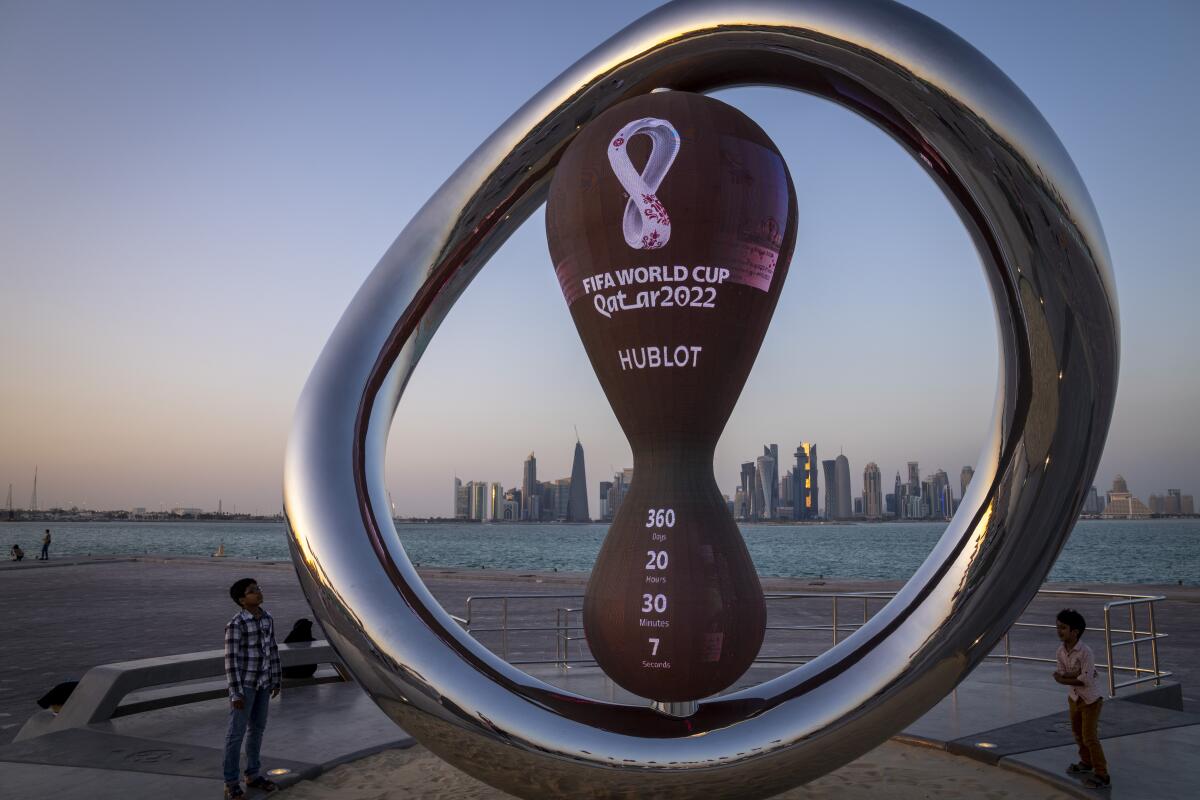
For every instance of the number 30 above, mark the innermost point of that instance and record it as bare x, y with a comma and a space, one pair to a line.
654, 602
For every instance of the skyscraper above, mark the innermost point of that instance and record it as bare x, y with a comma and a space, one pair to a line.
748, 471
529, 489
605, 509
830, 468
495, 502
943, 496
763, 505
844, 501
914, 477
899, 498
766, 484
478, 491
872, 491
562, 499
616, 495
462, 500
772, 450
805, 495
512, 505
577, 503
964, 478
786, 493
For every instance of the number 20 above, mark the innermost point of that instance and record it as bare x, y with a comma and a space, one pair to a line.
656, 559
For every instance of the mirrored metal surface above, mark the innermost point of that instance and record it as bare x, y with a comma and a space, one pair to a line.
1047, 265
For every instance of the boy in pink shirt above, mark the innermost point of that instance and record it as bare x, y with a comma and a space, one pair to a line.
1077, 670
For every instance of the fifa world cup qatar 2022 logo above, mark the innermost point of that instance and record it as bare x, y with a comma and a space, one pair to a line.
645, 222
672, 310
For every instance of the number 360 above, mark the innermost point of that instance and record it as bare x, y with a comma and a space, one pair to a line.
661, 518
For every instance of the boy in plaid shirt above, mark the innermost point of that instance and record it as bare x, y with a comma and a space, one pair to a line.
253, 674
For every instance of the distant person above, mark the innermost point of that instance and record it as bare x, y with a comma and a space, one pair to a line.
51, 703
16, 553
301, 632
45, 556
252, 671
56, 698
1077, 670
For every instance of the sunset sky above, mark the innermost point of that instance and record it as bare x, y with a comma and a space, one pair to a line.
190, 194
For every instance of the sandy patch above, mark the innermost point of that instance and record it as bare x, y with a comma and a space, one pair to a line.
893, 771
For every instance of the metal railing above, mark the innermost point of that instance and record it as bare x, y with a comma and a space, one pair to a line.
1130, 602
567, 628
504, 628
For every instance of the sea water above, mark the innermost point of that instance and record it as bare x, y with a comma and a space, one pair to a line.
1099, 551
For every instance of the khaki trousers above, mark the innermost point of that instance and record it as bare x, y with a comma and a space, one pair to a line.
1085, 724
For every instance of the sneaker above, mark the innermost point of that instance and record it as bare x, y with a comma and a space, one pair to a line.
1079, 768
1097, 781
261, 783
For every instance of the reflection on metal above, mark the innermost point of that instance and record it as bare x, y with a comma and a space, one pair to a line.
1047, 264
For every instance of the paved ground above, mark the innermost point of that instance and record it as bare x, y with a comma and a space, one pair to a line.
62, 618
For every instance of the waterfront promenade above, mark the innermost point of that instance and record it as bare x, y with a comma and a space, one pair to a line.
66, 616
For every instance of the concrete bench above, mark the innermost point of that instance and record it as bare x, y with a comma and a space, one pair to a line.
98, 696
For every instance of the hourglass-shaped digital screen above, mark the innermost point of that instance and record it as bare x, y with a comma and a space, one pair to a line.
671, 221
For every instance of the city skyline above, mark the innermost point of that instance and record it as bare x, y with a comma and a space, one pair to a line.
1168, 502
183, 224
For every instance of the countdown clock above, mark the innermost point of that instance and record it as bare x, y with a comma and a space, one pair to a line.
671, 221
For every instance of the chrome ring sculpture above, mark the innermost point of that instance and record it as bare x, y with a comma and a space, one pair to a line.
1047, 263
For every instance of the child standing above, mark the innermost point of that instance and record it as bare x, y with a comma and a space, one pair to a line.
1077, 670
253, 674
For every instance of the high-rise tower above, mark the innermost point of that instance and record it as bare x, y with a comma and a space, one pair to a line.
529, 488
748, 471
830, 468
805, 496
964, 478
943, 497
772, 450
577, 502
844, 502
914, 477
872, 491
766, 481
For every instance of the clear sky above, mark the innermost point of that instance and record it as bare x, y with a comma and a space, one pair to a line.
190, 194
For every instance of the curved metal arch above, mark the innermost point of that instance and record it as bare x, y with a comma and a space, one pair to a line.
1047, 264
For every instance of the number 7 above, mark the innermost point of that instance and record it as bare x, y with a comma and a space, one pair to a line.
654, 646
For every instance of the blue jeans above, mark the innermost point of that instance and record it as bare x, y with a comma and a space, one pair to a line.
254, 713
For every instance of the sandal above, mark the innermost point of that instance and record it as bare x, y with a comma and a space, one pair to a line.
1080, 768
259, 782
1097, 781
234, 791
